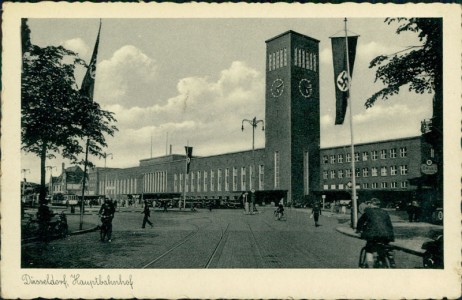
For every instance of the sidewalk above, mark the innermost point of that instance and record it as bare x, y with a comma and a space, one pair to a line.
409, 237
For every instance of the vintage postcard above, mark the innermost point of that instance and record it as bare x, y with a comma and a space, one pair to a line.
230, 151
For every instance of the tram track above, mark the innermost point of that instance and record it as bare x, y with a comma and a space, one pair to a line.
181, 242
214, 257
257, 247
222, 241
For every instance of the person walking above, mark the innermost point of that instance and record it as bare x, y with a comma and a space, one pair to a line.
106, 213
147, 214
316, 212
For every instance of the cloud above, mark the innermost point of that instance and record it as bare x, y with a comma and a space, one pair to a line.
206, 112
77, 45
396, 118
123, 76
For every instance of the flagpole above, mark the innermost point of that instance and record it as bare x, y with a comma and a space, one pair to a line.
185, 175
95, 51
353, 169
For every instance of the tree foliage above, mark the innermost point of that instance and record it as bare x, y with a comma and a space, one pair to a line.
55, 117
419, 67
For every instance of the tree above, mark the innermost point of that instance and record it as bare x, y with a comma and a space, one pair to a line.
55, 117
420, 68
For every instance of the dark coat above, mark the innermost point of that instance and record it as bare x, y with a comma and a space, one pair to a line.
375, 224
146, 211
107, 209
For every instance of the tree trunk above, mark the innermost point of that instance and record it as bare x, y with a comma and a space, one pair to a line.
437, 122
42, 193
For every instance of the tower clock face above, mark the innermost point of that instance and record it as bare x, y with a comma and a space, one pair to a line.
306, 88
277, 87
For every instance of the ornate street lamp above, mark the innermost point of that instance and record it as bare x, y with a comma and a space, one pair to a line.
105, 155
254, 123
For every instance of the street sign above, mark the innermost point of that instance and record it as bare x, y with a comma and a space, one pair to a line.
428, 169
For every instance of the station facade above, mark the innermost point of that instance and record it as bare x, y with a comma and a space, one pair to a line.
290, 166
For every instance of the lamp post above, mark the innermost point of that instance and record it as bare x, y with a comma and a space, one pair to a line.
51, 181
105, 155
23, 191
254, 123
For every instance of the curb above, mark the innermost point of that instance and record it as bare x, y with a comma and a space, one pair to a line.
55, 237
84, 231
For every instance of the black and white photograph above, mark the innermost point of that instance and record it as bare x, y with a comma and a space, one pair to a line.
231, 150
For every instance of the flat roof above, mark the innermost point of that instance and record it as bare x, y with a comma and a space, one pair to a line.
374, 142
292, 32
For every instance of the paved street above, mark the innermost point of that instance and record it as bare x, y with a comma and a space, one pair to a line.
222, 238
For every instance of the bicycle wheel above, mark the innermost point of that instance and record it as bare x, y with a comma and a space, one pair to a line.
382, 262
362, 258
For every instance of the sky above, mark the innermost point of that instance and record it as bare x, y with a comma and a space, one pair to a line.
192, 81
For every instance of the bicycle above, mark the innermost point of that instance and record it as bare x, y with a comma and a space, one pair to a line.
105, 228
383, 258
278, 214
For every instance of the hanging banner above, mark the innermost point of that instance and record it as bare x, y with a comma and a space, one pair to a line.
341, 79
188, 157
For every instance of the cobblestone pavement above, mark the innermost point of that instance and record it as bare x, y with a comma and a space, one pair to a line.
218, 239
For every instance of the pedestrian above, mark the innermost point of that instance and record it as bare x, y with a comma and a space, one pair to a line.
106, 213
316, 212
413, 211
147, 214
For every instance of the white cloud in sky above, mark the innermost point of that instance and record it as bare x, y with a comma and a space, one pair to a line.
207, 113
122, 77
396, 118
77, 45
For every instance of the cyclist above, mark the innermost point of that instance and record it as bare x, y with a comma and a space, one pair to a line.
376, 228
279, 211
106, 213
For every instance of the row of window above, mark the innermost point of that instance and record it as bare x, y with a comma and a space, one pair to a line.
367, 185
277, 59
374, 155
118, 187
199, 181
305, 59
374, 171
302, 58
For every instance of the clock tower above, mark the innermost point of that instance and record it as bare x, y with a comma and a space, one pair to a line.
292, 115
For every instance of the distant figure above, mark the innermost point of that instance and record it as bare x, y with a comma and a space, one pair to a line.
147, 214
316, 212
413, 211
164, 204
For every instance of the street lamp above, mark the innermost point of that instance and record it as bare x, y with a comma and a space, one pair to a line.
105, 155
254, 123
23, 191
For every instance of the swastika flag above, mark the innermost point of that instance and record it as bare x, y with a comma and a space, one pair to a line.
88, 83
341, 80
188, 157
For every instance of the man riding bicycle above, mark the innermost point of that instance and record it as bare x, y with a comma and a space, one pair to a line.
106, 213
376, 228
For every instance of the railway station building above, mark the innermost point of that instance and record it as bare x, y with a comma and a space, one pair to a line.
291, 165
